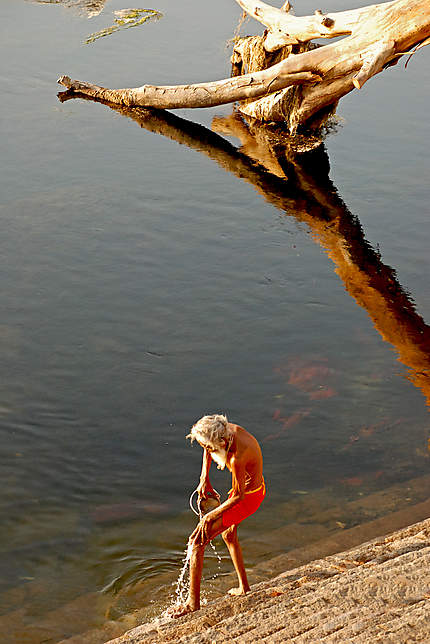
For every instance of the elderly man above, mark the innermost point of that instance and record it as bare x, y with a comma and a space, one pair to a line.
230, 446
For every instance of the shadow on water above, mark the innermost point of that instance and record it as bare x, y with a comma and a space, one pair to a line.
297, 182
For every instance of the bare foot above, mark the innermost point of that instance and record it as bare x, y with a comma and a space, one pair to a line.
180, 609
238, 591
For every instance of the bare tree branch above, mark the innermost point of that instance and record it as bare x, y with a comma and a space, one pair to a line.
286, 29
378, 36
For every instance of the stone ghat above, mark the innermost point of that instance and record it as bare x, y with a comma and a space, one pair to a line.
376, 592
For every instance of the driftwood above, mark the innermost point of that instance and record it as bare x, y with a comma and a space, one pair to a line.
283, 76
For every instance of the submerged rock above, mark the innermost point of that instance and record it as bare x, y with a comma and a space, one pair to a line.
127, 510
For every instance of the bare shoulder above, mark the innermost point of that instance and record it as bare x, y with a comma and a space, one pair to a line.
244, 438
247, 455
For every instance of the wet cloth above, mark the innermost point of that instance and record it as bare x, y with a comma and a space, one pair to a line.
246, 506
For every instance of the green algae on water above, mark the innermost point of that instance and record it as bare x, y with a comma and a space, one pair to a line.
125, 19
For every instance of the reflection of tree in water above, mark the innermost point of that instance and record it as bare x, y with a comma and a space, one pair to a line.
299, 184
89, 8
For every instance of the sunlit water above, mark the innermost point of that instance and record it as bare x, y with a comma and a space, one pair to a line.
145, 283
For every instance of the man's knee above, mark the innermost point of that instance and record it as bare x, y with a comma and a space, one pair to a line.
197, 547
230, 535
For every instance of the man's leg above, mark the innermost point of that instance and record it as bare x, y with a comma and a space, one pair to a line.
233, 545
196, 569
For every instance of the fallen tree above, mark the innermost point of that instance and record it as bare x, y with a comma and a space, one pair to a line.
283, 76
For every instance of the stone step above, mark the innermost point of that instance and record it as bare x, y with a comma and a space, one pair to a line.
325, 516
334, 540
327, 538
376, 592
96, 618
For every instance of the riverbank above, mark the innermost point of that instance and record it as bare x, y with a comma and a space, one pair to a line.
332, 529
316, 526
376, 592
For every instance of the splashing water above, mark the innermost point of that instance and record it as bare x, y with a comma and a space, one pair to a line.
182, 585
218, 556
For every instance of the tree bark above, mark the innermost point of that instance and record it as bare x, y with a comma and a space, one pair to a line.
378, 36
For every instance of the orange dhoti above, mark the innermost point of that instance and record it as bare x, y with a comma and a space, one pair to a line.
245, 507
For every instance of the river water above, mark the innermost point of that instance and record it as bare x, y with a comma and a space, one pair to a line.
152, 273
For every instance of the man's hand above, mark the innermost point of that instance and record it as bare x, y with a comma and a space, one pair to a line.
201, 534
205, 489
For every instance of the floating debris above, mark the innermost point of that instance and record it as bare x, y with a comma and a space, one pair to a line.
89, 8
322, 393
125, 19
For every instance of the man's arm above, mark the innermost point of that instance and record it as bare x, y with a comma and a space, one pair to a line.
202, 530
205, 488
238, 487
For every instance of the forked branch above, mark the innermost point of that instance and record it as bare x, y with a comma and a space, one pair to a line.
286, 29
376, 36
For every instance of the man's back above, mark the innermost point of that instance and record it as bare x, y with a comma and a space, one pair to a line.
248, 452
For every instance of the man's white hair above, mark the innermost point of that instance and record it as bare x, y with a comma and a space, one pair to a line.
210, 430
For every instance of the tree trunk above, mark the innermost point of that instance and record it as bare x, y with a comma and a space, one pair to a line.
303, 87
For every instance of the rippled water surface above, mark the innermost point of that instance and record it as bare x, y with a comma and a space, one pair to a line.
152, 272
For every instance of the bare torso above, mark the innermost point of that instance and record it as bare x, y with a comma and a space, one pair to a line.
245, 462
246, 451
